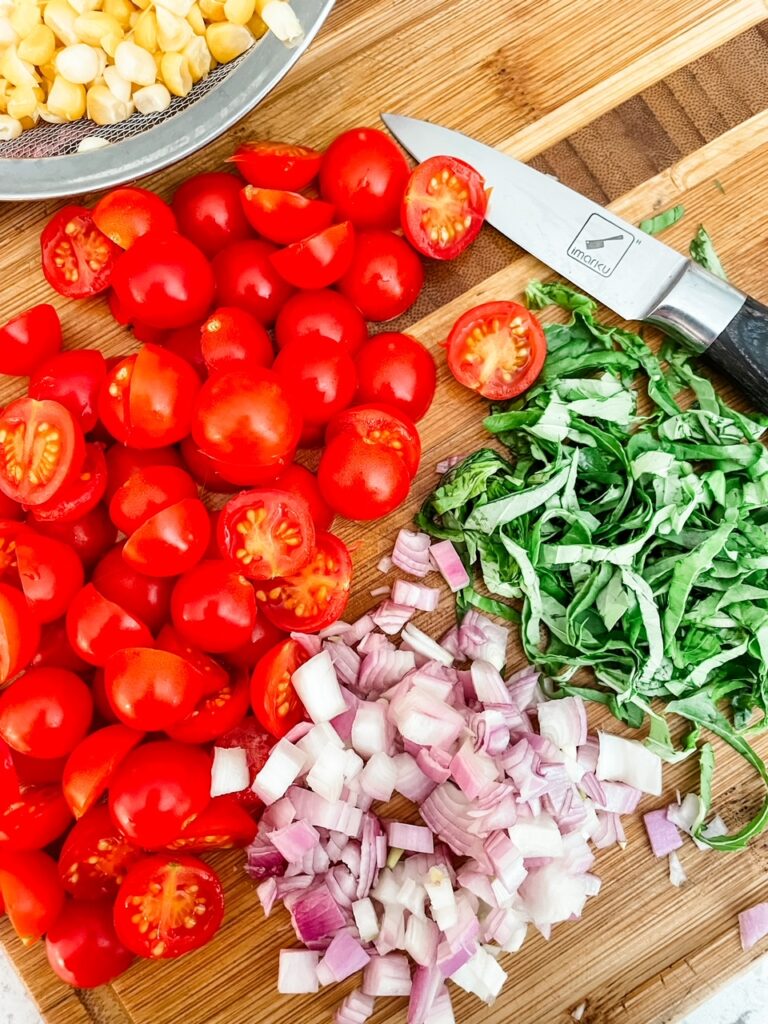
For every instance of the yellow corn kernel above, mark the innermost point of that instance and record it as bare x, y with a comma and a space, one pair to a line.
48, 71
60, 18
196, 20
143, 4
120, 10
10, 128
199, 56
173, 32
21, 103
93, 25
8, 34
91, 142
174, 68
227, 41
24, 17
281, 18
180, 8
82, 6
79, 63
39, 46
152, 99
17, 71
103, 107
258, 26
116, 84
66, 99
30, 122
145, 32
213, 10
239, 12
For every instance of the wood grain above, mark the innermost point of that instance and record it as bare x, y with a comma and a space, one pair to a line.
641, 105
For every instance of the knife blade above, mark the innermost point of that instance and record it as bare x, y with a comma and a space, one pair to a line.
630, 272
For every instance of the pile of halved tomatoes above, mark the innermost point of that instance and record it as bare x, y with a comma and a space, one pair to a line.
137, 627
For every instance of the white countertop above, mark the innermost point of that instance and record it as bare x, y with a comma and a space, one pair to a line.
743, 1001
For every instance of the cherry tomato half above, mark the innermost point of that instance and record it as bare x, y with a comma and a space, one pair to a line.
217, 713
383, 426
497, 349
443, 207
266, 533
95, 856
34, 819
273, 698
209, 211
223, 825
150, 690
79, 494
146, 491
29, 339
32, 892
185, 342
362, 481
78, 260
73, 379
213, 606
320, 314
127, 213
90, 536
148, 598
298, 480
385, 277
233, 339
246, 277
284, 217
97, 627
316, 595
92, 763
263, 636
45, 713
319, 260
323, 378
83, 948
122, 461
277, 164
50, 572
19, 632
205, 470
54, 650
398, 370
171, 541
40, 447
364, 175
213, 676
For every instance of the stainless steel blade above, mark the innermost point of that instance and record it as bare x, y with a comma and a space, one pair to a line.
621, 266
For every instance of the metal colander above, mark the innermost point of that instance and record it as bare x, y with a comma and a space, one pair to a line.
44, 163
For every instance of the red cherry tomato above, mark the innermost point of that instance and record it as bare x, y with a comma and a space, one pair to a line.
97, 627
164, 281
321, 314
35, 771
83, 948
209, 211
213, 606
322, 378
497, 349
29, 339
171, 541
146, 491
277, 164
213, 675
150, 690
218, 712
385, 278
223, 825
298, 480
122, 461
248, 419
128, 213
10, 509
443, 207
36, 818
74, 380
50, 573
380, 425
149, 335
364, 175
157, 789
78, 495
316, 595
19, 632
31, 891
246, 277
273, 699
148, 598
90, 536
233, 339
54, 650
284, 217
362, 481
41, 446
205, 470
95, 856
263, 636
266, 533
100, 700
78, 260
319, 260
92, 763
185, 342
398, 370
45, 713
250, 736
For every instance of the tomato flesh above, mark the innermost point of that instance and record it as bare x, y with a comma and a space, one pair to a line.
266, 533
273, 698
126, 214
79, 494
381, 425
171, 541
443, 207
78, 260
284, 217
40, 447
277, 164
319, 260
217, 712
95, 856
91, 765
19, 632
97, 627
36, 818
223, 825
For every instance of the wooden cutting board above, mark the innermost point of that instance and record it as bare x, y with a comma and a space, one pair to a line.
639, 105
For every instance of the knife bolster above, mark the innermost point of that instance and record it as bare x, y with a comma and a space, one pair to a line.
697, 307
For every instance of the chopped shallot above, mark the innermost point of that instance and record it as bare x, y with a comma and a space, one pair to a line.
753, 925
446, 560
411, 553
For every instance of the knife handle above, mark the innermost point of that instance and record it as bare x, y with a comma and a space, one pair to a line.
741, 351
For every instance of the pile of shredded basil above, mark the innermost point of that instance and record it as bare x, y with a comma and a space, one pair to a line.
634, 549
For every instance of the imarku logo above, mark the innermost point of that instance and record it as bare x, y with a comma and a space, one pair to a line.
601, 245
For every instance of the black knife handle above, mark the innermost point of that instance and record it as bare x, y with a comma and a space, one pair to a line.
741, 351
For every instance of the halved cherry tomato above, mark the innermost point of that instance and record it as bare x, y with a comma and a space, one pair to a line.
497, 349
35, 771
46, 712
157, 789
50, 573
217, 712
54, 650
233, 339
364, 174
246, 277
78, 260
29, 339
398, 370
146, 491
213, 675
171, 541
90, 535
213, 606
79, 494
209, 211
100, 700
19, 632
32, 892
379, 424
122, 461
385, 277
319, 260
266, 533
277, 164
91, 765
251, 737
95, 856
164, 281
284, 217
223, 825
73, 379
40, 447
10, 509
316, 595
273, 698
443, 207
168, 905
362, 481
263, 636
147, 399
97, 627
314, 314
185, 342
83, 948
146, 597
323, 379
205, 470
298, 480
10, 788
149, 689
127, 213
37, 817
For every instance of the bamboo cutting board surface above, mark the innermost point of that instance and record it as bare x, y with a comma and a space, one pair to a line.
638, 105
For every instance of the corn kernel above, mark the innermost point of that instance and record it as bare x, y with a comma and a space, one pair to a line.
93, 25
60, 18
66, 99
152, 99
257, 26
173, 32
239, 12
79, 64
135, 64
24, 17
110, 42
47, 116
104, 107
120, 10
213, 10
10, 128
281, 18
91, 142
180, 8
17, 71
174, 67
199, 56
39, 46
81, 6
21, 103
227, 41
116, 84
8, 34
145, 32
48, 71
196, 20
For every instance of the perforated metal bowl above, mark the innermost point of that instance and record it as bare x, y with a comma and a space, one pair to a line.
43, 162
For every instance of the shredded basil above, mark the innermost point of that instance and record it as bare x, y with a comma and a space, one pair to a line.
703, 251
662, 221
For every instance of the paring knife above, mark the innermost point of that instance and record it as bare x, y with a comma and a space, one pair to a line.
627, 270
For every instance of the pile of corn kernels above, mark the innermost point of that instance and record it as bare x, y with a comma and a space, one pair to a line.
61, 60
